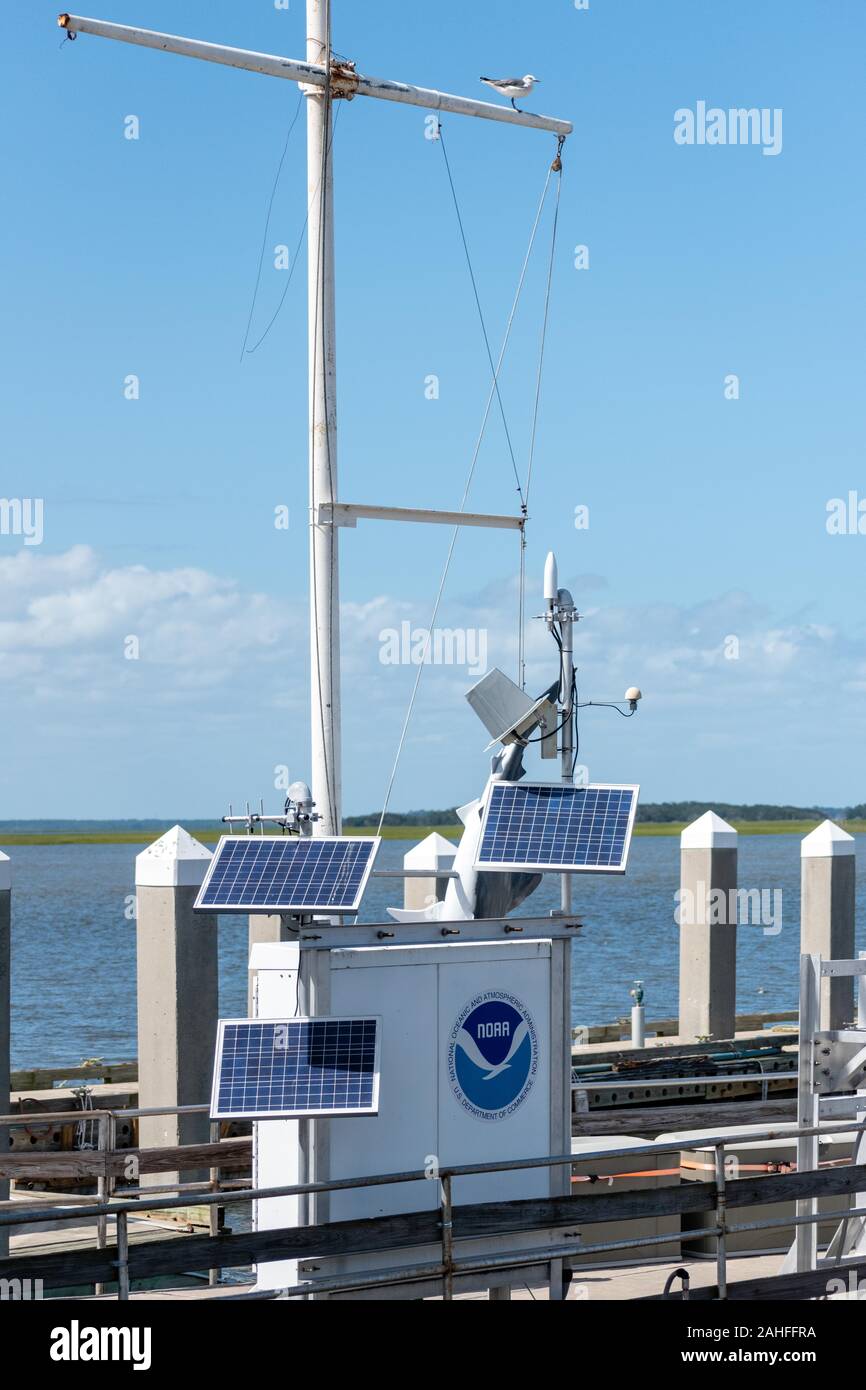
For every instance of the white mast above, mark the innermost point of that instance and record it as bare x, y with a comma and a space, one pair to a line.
322, 80
324, 570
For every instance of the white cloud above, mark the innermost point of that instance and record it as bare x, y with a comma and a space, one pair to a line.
67, 618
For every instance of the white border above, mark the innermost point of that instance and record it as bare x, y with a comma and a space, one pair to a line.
534, 865
200, 906
372, 1109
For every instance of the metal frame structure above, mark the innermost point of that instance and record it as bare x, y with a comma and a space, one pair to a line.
832, 1061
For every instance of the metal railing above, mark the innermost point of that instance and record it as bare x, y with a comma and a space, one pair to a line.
450, 1265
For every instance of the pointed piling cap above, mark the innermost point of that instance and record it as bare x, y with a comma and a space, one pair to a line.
709, 831
174, 860
826, 841
5, 872
430, 853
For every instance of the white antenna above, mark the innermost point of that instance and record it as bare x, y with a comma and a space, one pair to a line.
551, 580
323, 81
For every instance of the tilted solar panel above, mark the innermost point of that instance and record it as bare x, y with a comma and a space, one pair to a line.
269, 873
550, 826
297, 1067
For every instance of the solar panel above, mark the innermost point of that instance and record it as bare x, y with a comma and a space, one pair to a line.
549, 826
296, 1067
325, 873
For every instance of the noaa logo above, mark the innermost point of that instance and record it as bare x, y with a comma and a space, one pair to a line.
492, 1055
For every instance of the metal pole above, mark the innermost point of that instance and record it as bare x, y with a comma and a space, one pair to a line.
566, 737
122, 1255
324, 579
808, 1109
721, 1218
213, 1275
102, 1191
447, 1237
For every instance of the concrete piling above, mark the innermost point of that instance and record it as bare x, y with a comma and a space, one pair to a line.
436, 854
178, 992
708, 929
827, 894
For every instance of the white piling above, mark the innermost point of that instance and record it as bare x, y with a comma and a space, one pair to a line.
827, 894
178, 983
708, 929
436, 854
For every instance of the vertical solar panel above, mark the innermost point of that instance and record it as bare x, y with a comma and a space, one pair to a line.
298, 1067
550, 826
270, 873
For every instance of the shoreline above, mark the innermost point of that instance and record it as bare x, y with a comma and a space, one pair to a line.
389, 832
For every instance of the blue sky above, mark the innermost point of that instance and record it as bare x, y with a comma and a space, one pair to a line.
707, 515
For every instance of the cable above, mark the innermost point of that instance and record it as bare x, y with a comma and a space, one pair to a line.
267, 225
295, 258
539, 373
494, 370
607, 704
494, 391
556, 167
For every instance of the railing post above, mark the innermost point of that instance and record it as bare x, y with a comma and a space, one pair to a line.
721, 1222
122, 1255
213, 1211
447, 1237
102, 1145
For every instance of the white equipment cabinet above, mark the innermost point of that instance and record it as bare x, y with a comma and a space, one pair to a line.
475, 1068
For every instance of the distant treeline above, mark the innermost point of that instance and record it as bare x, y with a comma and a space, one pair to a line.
404, 818
657, 813
650, 812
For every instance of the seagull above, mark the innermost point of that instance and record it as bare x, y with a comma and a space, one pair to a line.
474, 1053
512, 86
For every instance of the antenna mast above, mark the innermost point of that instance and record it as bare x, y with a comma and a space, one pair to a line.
324, 568
322, 80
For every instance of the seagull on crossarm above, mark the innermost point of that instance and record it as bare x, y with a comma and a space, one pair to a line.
512, 86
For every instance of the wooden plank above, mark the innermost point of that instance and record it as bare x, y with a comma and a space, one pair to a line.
422, 1228
45, 1078
653, 1120
774, 1288
230, 1155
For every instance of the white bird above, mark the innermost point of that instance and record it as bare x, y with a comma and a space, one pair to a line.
512, 86
474, 1053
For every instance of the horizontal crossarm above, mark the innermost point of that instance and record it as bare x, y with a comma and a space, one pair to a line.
344, 81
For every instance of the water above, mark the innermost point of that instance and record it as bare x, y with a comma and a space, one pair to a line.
73, 963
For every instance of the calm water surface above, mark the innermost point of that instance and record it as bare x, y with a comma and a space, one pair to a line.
73, 982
